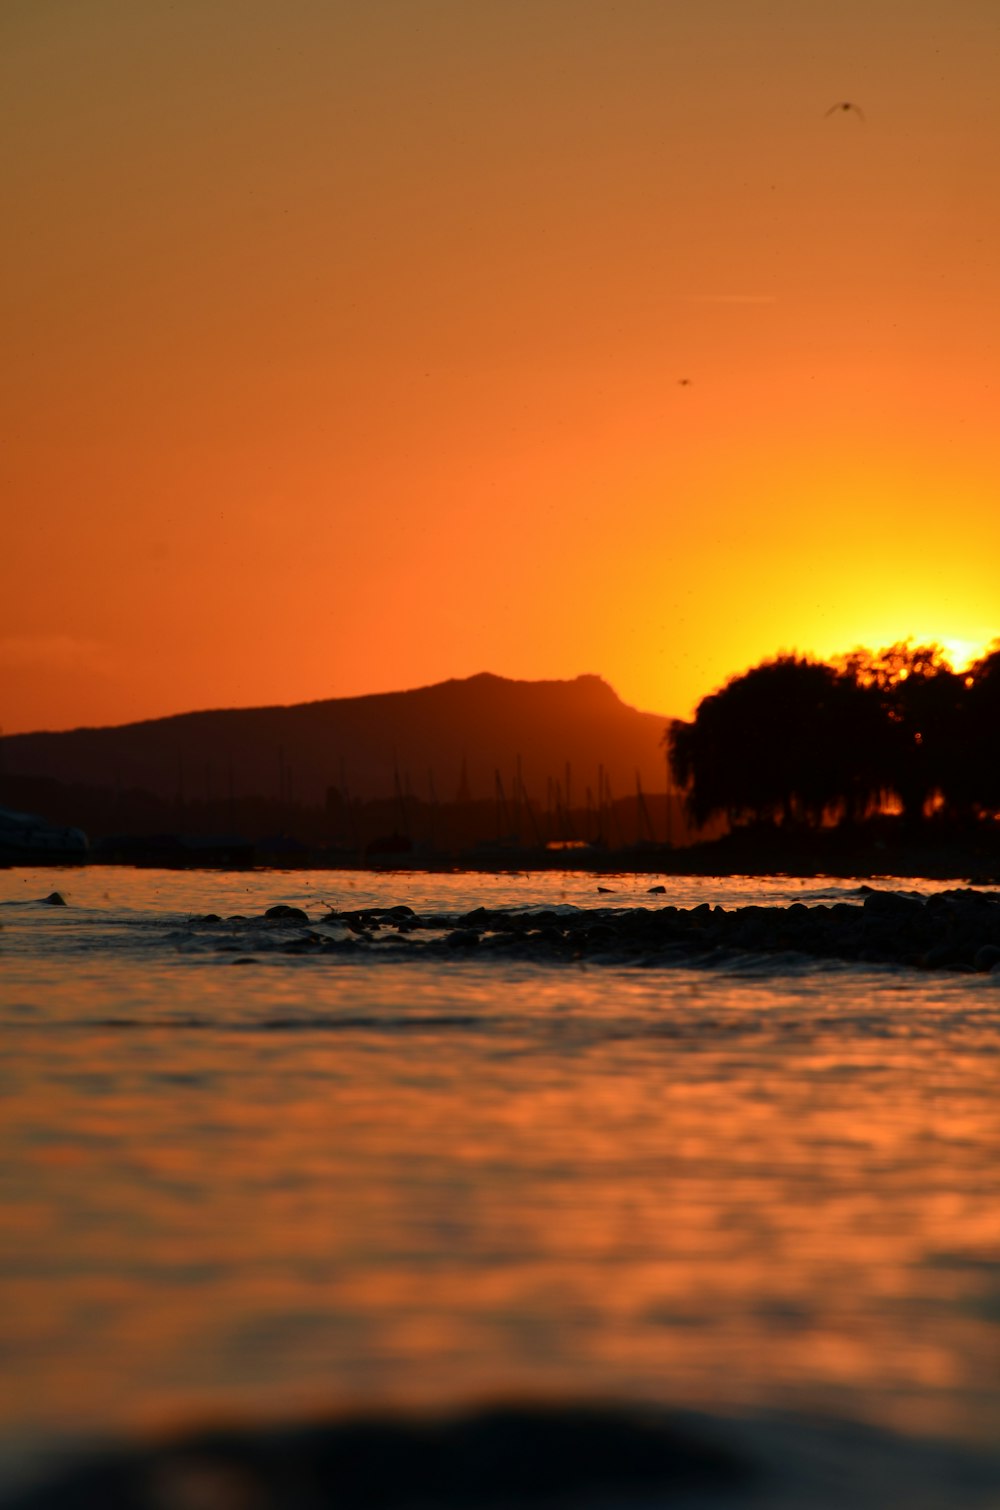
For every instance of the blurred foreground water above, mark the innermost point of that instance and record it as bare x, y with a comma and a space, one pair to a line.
251, 1186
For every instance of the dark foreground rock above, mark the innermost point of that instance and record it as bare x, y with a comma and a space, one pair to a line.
508, 1456
552, 1457
951, 930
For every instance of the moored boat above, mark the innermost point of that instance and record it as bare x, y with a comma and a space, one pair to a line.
26, 839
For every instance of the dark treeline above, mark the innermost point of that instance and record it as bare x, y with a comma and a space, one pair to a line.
801, 741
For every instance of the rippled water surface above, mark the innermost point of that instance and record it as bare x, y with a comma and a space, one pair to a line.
257, 1184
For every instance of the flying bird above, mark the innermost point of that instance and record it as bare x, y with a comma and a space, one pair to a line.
846, 105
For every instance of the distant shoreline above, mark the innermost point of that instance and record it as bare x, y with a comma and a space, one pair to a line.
971, 858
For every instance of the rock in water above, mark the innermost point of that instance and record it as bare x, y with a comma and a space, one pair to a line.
283, 914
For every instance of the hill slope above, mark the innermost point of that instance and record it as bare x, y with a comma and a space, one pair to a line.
475, 727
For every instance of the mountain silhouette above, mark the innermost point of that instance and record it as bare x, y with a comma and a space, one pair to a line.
446, 740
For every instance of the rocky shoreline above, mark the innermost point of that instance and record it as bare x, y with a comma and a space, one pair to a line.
956, 930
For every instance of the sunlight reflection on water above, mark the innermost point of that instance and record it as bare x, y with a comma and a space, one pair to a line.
316, 1184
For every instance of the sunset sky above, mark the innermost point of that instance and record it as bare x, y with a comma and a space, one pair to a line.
344, 343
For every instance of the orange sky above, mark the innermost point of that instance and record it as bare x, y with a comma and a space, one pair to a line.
343, 343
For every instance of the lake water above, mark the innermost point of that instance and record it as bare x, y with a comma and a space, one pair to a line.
247, 1184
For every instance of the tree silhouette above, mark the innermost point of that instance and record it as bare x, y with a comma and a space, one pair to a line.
777, 742
919, 748
982, 733
800, 740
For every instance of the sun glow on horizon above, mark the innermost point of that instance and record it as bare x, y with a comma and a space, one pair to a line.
964, 641
366, 380
961, 652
